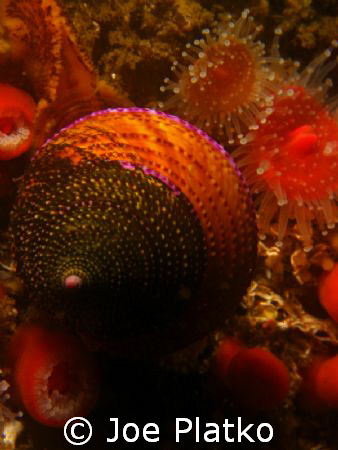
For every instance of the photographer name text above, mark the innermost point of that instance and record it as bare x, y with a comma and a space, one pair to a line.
207, 432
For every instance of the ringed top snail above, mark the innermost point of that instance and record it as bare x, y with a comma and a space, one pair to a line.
136, 228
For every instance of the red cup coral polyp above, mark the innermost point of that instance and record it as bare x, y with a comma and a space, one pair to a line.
319, 390
55, 376
291, 161
17, 111
258, 379
228, 348
326, 382
226, 82
328, 292
254, 377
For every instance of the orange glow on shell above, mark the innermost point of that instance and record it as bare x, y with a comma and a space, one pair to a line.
155, 140
17, 111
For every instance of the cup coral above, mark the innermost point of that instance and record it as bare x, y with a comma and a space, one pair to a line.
55, 376
226, 81
291, 160
17, 110
255, 377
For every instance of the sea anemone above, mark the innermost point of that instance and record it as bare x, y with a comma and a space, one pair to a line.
291, 160
319, 390
226, 82
54, 374
17, 110
227, 349
254, 377
258, 379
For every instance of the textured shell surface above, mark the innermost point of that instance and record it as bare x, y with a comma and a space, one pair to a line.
151, 218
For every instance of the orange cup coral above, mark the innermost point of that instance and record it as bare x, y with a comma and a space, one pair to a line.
17, 110
258, 379
227, 81
291, 160
319, 390
255, 377
54, 374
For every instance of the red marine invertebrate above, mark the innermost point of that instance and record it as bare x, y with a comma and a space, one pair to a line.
328, 292
148, 217
227, 83
258, 379
17, 110
54, 374
320, 384
228, 348
255, 377
291, 160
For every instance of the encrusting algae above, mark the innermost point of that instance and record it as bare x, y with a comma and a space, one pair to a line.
100, 204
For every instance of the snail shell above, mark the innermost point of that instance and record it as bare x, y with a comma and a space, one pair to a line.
136, 228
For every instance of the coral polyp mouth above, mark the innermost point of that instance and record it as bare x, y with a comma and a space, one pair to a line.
302, 142
17, 112
62, 390
15, 134
60, 378
7, 124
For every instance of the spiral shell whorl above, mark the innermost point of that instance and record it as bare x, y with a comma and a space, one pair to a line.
146, 210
